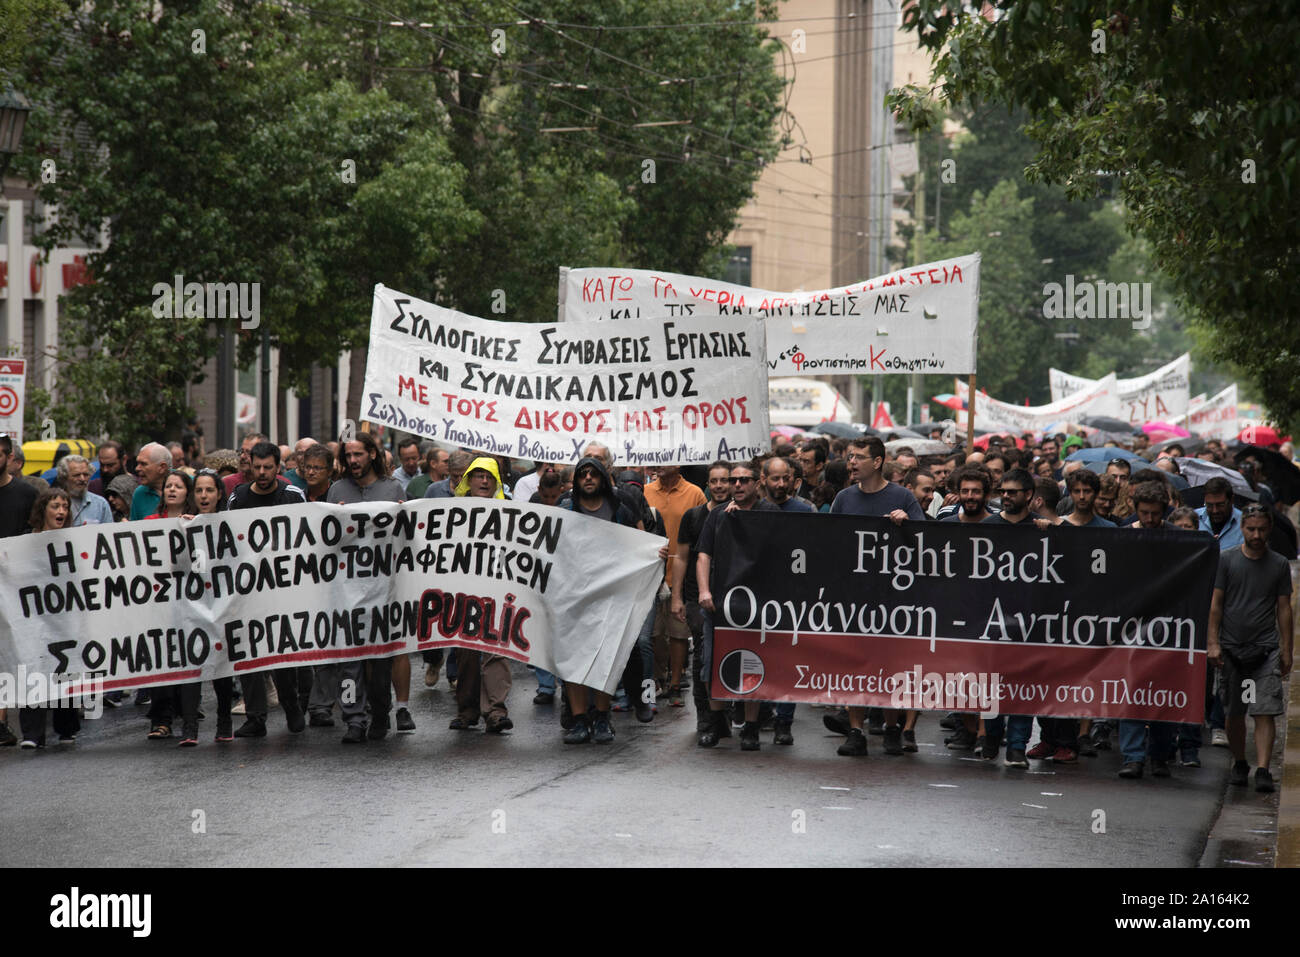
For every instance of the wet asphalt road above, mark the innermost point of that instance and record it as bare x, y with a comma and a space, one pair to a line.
439, 797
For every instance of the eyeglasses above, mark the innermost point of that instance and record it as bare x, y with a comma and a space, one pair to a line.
742, 479
1013, 491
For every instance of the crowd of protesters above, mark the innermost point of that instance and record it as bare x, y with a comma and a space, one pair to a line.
1011, 481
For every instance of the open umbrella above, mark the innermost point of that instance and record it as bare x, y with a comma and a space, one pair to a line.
1261, 435
919, 446
1099, 437
1105, 455
1107, 423
1198, 472
1277, 472
1167, 429
839, 430
1190, 445
950, 400
982, 442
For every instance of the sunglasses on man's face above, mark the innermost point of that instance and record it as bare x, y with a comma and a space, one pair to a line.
742, 479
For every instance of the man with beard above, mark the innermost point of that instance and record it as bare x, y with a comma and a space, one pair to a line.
112, 463
366, 479
594, 496
744, 497
1018, 491
265, 491
686, 589
778, 487
973, 484
672, 496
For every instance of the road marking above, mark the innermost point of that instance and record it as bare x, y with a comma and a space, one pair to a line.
1233, 860
1041, 807
836, 808
620, 834
831, 787
1050, 794
945, 785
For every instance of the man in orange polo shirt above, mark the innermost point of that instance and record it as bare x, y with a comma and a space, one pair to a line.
671, 496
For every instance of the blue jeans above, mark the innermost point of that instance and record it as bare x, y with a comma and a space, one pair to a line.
645, 645
1018, 727
545, 680
1133, 744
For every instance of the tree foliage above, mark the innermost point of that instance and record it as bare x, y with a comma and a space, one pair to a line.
319, 149
1191, 106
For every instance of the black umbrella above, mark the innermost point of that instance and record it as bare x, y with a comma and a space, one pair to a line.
840, 430
1107, 424
1276, 471
1190, 446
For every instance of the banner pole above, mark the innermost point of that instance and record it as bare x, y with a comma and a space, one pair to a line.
970, 414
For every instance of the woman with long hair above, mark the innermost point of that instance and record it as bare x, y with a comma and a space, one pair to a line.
177, 501
177, 497
210, 498
52, 510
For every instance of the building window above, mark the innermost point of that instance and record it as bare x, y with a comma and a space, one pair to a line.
740, 266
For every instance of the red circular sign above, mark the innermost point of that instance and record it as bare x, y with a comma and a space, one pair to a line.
8, 400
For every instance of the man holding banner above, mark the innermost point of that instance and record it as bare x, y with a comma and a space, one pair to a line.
872, 495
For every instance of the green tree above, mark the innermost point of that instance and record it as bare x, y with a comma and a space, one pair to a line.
1194, 111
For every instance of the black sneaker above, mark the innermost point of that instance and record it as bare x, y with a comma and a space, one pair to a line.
544, 698
356, 734
893, 739
713, 725
377, 731
1131, 769
1101, 736
781, 733
1191, 759
320, 720
950, 721
1240, 774
855, 744
499, 726
962, 740
602, 732
7, 738
1159, 769
749, 736
293, 715
252, 728
405, 723
461, 724
1086, 747
1016, 758
224, 726
143, 697
645, 713
837, 722
1263, 780
579, 733
992, 745
909, 742
875, 721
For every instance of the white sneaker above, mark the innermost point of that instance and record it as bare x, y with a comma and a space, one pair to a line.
27, 745
1219, 738
239, 708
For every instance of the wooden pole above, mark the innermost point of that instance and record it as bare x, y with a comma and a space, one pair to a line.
970, 414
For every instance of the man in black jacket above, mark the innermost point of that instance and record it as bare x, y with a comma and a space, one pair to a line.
266, 491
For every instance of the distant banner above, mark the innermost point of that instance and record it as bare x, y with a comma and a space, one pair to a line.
993, 415
919, 319
13, 392
1216, 418
846, 610
655, 391
107, 607
1162, 395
